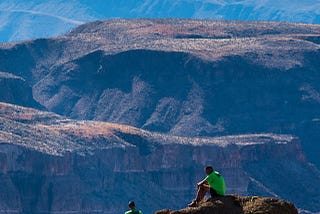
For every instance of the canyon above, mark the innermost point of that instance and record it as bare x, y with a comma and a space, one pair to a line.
120, 110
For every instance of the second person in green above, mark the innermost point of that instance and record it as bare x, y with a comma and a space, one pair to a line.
133, 209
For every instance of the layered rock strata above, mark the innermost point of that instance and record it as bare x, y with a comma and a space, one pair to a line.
54, 164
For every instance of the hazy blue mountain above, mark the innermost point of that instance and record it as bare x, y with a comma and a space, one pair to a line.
22, 20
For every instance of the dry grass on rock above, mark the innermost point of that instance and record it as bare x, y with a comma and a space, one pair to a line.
238, 205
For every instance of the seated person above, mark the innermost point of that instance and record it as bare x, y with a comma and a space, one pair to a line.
213, 184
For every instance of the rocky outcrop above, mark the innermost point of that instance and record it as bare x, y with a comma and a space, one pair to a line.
238, 205
50, 164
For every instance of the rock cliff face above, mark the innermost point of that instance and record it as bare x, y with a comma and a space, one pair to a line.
54, 164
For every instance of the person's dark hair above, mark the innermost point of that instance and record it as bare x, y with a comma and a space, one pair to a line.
131, 204
209, 168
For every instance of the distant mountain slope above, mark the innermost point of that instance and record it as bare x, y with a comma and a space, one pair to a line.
22, 20
50, 163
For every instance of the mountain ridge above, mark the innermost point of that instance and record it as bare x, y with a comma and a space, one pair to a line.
88, 129
52, 18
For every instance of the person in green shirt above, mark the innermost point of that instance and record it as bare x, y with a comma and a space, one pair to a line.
133, 209
213, 183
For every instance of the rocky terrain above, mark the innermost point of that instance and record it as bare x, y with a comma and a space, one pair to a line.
238, 205
126, 97
53, 164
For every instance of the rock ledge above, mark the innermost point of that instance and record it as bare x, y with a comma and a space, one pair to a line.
232, 204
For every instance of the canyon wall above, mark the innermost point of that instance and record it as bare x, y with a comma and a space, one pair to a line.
105, 165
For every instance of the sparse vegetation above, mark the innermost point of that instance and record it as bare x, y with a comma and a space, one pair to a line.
239, 205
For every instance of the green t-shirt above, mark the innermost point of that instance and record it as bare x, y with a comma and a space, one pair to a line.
216, 182
135, 211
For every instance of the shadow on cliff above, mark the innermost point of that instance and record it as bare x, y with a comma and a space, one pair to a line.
238, 205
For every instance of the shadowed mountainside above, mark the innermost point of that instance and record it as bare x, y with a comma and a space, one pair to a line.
15, 90
50, 163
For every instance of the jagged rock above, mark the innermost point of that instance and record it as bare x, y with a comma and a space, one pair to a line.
238, 205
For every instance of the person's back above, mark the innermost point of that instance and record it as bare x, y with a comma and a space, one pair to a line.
216, 182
